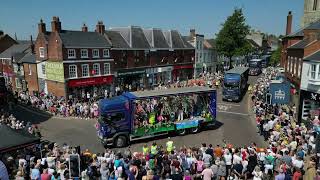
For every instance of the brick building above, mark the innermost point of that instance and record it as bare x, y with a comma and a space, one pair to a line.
12, 63
5, 42
73, 63
296, 49
148, 57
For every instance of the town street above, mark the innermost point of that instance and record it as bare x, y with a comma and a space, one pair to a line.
235, 125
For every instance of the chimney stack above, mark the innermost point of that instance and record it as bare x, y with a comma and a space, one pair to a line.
100, 28
192, 33
55, 24
289, 23
42, 27
84, 28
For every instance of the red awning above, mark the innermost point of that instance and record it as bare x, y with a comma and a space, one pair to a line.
90, 81
183, 67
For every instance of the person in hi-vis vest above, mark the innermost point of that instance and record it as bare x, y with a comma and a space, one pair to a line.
169, 145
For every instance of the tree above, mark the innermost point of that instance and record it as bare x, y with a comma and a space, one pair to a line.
231, 40
275, 57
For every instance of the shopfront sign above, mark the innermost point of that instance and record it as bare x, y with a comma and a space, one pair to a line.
280, 92
311, 96
54, 71
183, 67
91, 81
131, 72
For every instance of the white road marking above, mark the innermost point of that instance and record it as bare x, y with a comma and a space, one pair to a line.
228, 104
229, 112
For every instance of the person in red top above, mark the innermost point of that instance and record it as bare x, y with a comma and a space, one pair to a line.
297, 175
45, 175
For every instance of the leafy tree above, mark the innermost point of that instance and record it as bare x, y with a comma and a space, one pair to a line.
231, 40
275, 57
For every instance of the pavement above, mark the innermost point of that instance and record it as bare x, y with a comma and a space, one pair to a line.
235, 125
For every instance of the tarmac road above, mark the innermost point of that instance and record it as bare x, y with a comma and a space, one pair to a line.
235, 125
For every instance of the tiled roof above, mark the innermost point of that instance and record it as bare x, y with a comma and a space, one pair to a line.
314, 25
301, 44
116, 39
83, 39
313, 57
15, 49
136, 37
29, 58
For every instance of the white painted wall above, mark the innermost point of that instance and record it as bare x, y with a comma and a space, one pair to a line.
305, 85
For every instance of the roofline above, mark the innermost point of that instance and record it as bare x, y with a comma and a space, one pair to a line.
304, 58
152, 49
304, 46
87, 47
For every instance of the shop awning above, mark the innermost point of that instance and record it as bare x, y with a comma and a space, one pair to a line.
91, 81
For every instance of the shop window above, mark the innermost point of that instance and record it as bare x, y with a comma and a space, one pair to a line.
3, 61
106, 53
41, 52
84, 53
71, 53
96, 69
106, 68
85, 70
72, 71
95, 53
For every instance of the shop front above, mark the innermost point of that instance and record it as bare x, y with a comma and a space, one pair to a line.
159, 75
199, 69
131, 79
81, 88
310, 104
182, 72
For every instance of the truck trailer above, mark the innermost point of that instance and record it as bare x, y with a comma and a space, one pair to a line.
147, 114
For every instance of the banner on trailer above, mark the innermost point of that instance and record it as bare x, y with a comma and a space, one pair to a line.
187, 124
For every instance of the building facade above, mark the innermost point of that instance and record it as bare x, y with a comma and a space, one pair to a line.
205, 53
73, 63
297, 47
311, 12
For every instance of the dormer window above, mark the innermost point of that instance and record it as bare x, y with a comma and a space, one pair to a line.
95, 53
106, 53
314, 74
71, 53
84, 53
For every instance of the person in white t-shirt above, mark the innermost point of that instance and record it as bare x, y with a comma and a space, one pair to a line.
228, 159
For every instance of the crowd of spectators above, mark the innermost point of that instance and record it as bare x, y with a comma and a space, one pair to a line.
291, 153
86, 108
